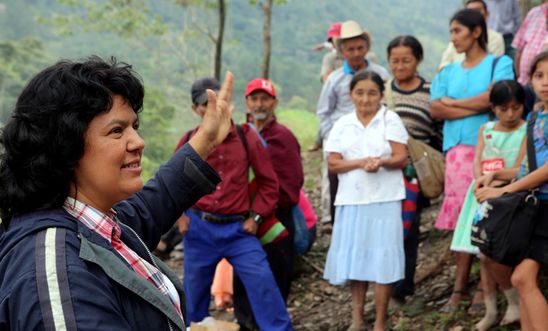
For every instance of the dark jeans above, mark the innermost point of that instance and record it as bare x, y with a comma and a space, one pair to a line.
333, 187
280, 256
508, 49
406, 286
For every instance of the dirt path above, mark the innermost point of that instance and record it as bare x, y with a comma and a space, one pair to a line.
316, 305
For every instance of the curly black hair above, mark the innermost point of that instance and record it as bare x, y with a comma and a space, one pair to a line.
43, 141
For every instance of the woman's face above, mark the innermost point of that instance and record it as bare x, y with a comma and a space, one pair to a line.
403, 63
366, 97
462, 37
539, 80
110, 169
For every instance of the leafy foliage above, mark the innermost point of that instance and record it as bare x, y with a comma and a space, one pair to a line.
164, 42
20, 60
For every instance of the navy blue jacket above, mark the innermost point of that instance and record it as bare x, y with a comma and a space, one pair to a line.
57, 274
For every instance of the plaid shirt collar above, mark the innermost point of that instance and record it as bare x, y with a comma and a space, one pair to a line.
103, 224
107, 227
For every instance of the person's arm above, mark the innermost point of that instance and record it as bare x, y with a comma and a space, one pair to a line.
478, 104
177, 186
477, 155
284, 151
531, 181
327, 66
326, 106
441, 111
397, 160
336, 163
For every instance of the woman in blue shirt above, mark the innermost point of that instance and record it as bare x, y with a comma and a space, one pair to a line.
460, 96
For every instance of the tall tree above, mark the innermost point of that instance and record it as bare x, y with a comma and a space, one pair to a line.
266, 6
217, 40
267, 37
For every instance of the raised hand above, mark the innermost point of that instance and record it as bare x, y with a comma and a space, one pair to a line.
216, 123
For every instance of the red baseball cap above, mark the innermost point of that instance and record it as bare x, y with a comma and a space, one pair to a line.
260, 84
334, 31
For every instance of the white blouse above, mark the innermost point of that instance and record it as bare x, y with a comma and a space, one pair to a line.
354, 141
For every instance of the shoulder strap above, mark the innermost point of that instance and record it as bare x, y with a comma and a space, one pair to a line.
242, 137
493, 66
388, 95
531, 156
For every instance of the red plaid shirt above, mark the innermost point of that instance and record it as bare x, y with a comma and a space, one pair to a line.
107, 227
531, 39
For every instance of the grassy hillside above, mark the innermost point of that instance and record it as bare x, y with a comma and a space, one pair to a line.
303, 124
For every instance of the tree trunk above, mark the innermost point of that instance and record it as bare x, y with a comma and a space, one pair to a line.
267, 42
219, 39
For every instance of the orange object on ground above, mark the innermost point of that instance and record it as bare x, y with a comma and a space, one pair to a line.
221, 288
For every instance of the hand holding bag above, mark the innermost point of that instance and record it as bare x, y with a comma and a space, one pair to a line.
502, 226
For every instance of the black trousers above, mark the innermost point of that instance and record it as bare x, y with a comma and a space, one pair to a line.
280, 256
333, 187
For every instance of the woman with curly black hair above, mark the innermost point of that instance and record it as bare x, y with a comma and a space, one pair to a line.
79, 222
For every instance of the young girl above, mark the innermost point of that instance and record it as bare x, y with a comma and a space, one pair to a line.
498, 148
533, 305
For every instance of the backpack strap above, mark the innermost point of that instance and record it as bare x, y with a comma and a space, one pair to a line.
242, 137
531, 156
388, 95
493, 66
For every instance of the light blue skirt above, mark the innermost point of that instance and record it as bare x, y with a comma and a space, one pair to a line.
367, 244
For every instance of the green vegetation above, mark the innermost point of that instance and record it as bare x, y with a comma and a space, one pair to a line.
303, 124
168, 42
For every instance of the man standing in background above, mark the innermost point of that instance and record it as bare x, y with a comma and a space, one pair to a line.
334, 101
505, 18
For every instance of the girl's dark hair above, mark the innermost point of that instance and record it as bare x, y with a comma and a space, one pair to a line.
407, 41
44, 139
542, 56
471, 19
505, 91
367, 75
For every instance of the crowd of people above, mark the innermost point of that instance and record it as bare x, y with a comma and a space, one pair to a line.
489, 81
79, 225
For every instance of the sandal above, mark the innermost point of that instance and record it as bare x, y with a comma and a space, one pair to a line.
476, 308
449, 308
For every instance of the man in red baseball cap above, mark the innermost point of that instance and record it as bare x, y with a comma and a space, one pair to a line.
223, 224
285, 155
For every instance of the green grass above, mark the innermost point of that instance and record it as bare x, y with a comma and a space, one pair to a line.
303, 124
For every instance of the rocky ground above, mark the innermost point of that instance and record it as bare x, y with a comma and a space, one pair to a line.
316, 305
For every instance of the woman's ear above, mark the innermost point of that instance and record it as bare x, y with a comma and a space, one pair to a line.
477, 32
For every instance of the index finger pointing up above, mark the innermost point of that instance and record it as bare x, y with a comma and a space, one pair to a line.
225, 93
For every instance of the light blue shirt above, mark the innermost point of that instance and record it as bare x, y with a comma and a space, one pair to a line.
504, 16
334, 101
456, 82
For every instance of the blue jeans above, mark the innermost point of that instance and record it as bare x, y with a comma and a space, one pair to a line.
205, 245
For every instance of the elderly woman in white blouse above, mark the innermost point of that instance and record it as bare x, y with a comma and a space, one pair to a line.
367, 149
